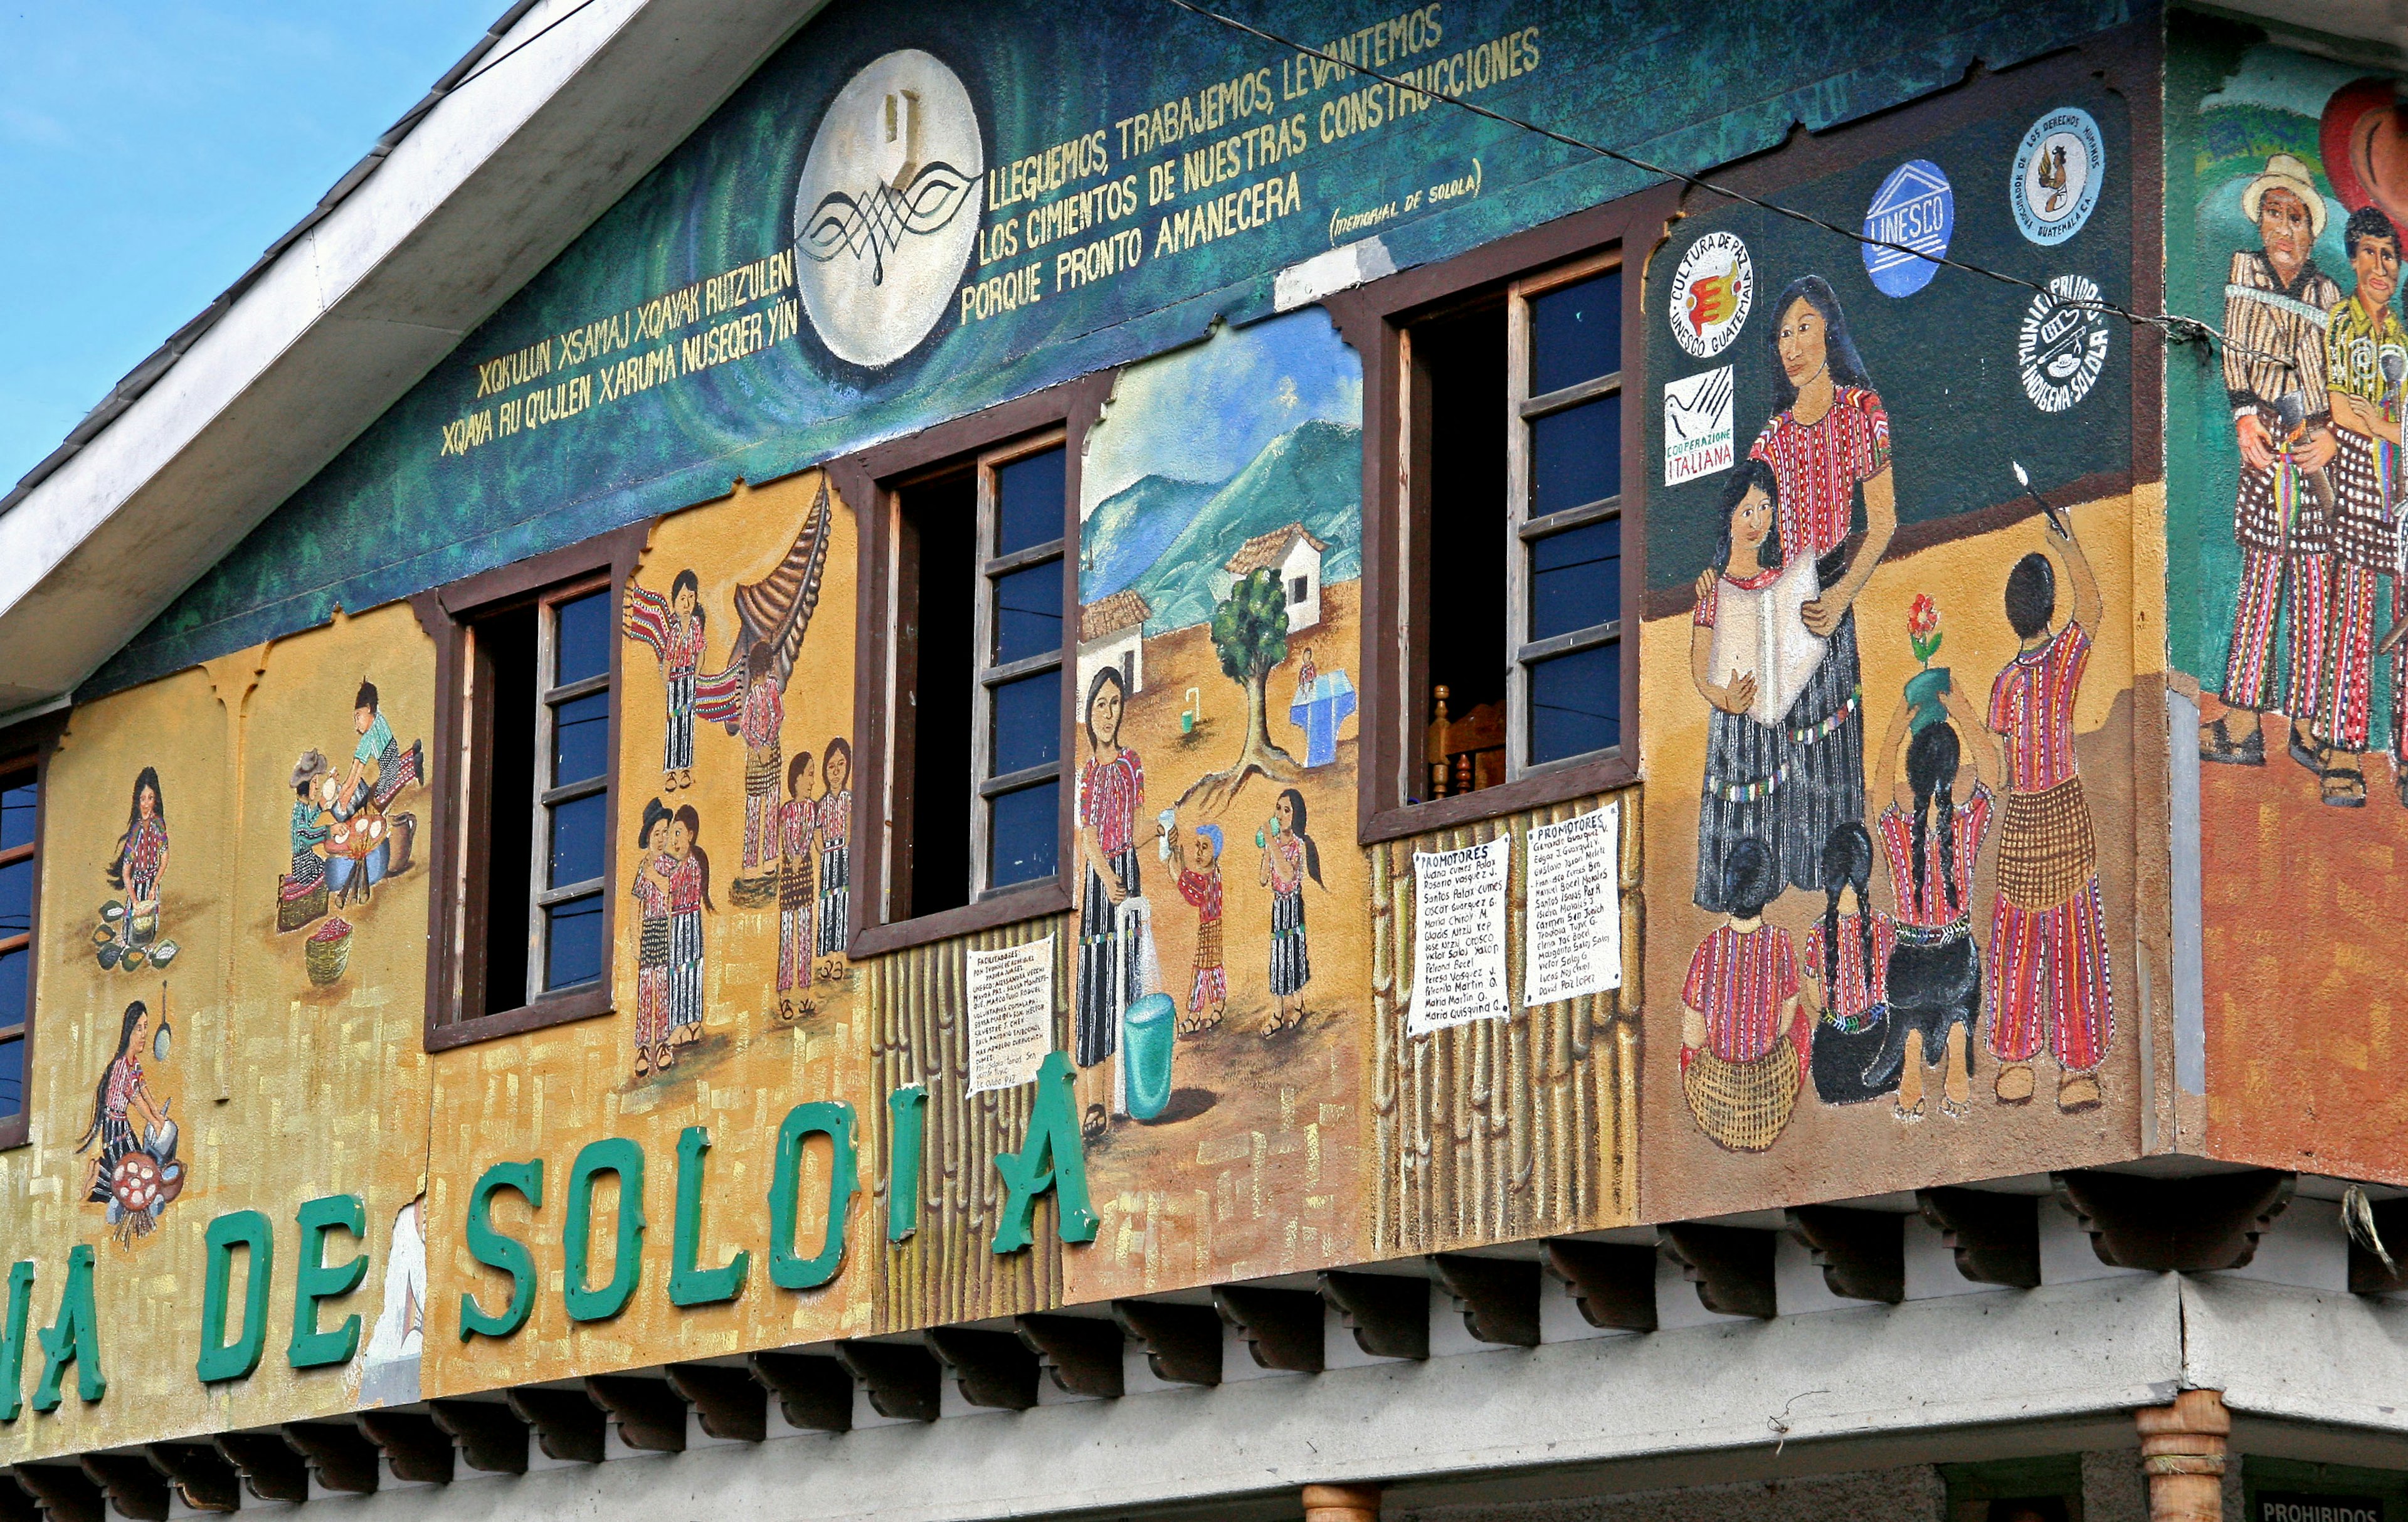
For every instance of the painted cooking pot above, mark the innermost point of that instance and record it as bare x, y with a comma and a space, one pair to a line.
1148, 1034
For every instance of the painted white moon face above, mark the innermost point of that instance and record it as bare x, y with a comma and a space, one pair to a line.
887, 208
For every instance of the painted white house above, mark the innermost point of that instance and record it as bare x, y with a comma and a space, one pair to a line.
1297, 554
1111, 632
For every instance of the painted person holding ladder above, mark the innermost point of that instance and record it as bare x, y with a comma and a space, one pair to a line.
2277, 309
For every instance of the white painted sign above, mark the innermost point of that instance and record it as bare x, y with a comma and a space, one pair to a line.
1459, 936
1571, 941
1696, 425
1011, 1014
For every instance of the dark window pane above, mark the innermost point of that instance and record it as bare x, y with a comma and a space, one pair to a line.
17, 807
581, 738
1576, 579
581, 638
576, 840
1029, 496
1028, 612
17, 898
1576, 457
574, 953
14, 967
1027, 834
12, 1077
1576, 334
1027, 723
1576, 703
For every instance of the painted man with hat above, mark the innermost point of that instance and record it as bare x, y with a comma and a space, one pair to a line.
2277, 309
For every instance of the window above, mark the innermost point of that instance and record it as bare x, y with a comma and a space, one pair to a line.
980, 589
1498, 492
525, 759
965, 706
22, 761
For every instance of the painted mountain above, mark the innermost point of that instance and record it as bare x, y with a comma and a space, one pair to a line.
1133, 526
1311, 475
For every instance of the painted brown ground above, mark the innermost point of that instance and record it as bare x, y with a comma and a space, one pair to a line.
1831, 1152
2307, 1028
1255, 1166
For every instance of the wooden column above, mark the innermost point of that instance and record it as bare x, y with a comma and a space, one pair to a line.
2181, 1452
1341, 1503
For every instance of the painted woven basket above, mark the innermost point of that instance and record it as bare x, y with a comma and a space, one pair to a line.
1742, 1105
328, 952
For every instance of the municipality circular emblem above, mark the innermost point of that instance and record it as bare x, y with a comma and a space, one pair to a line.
2062, 344
2054, 185
887, 208
1712, 292
1915, 210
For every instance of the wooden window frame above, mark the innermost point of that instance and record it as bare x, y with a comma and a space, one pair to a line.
31, 744
461, 782
985, 787
1375, 319
870, 482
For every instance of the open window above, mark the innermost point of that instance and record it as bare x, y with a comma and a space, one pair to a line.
526, 754
968, 563
1501, 489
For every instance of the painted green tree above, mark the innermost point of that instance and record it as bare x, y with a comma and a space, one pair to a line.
1250, 635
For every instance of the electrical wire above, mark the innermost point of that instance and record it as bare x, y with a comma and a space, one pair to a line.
2178, 329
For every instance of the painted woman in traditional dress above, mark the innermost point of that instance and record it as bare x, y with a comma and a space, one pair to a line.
689, 885
796, 942
1290, 854
1112, 797
141, 858
126, 1120
1828, 447
1744, 757
302, 895
651, 891
835, 826
671, 629
761, 725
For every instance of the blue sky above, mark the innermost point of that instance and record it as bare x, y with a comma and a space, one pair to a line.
152, 150
1202, 413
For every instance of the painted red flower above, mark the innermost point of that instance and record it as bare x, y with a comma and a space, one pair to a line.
1923, 627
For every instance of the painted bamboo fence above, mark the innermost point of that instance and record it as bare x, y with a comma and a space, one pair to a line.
946, 1272
1502, 1129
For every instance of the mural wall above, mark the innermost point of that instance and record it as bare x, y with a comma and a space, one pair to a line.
1889, 666
2285, 208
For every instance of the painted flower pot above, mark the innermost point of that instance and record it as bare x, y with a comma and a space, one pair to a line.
1148, 1038
1923, 691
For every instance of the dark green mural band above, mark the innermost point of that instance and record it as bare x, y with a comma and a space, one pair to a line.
688, 1284
12, 1340
249, 1229
497, 1251
907, 1110
1052, 1157
73, 1338
833, 1120
612, 1155
314, 1278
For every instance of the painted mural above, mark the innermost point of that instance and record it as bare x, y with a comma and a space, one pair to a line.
2285, 209
1885, 898
1218, 1015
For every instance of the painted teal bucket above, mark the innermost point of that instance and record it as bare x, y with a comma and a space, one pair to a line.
1149, 1034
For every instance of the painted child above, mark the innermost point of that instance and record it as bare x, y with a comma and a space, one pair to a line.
395, 770
309, 828
1742, 1032
1744, 758
1199, 884
1932, 838
833, 824
1845, 966
762, 719
795, 943
655, 872
1290, 856
671, 629
2049, 970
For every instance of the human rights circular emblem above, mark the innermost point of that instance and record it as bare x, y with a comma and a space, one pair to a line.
1713, 289
2059, 169
887, 208
2062, 344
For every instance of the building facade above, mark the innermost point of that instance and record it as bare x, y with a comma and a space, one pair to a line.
956, 761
